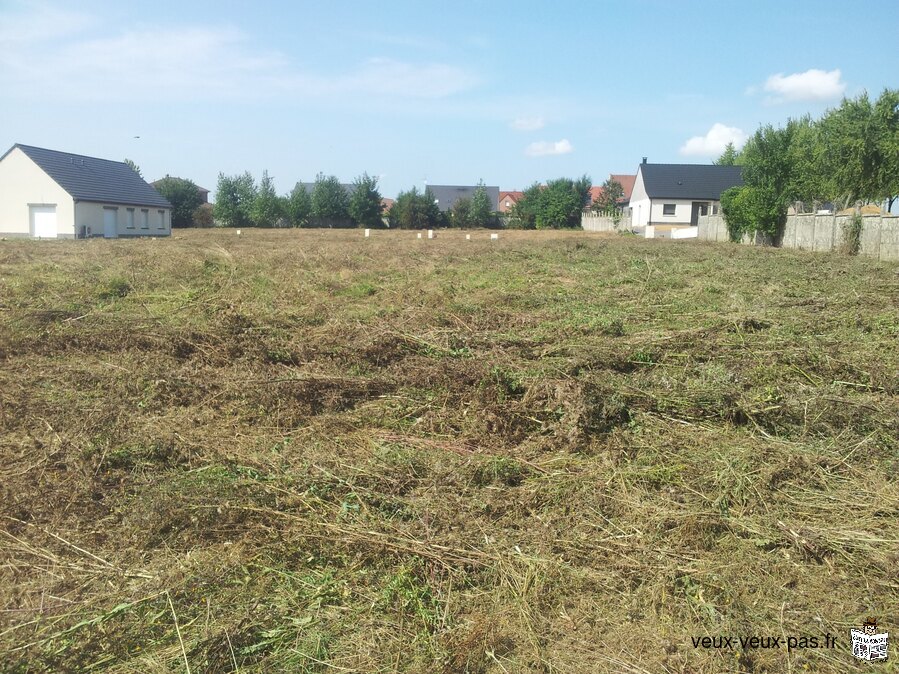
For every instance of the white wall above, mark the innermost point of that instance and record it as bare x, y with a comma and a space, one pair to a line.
639, 203
22, 183
89, 214
683, 211
640, 212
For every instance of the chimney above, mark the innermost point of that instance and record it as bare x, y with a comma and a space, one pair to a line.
644, 160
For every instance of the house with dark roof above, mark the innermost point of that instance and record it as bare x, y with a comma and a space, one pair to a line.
673, 196
48, 194
446, 196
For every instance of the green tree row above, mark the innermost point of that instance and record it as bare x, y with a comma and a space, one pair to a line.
848, 157
556, 205
240, 202
416, 209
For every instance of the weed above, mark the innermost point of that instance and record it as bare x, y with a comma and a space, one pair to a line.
114, 288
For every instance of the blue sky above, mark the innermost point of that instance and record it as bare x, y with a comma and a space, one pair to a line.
414, 91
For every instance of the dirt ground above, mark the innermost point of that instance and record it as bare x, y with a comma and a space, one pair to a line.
307, 451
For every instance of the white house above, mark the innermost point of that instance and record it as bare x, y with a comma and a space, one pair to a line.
668, 197
48, 194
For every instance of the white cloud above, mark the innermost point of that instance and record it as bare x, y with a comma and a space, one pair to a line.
543, 148
812, 85
713, 143
528, 123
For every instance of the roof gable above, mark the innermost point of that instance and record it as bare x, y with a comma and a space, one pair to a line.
626, 181
689, 181
93, 179
514, 195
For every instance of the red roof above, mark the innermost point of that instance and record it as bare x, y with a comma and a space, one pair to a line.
626, 182
514, 196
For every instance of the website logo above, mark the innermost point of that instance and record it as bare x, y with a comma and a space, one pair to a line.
868, 643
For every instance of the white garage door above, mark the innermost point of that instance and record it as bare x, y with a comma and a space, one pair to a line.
43, 221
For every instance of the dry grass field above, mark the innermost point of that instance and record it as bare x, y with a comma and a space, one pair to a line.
305, 451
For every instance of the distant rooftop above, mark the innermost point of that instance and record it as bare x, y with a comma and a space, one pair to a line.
447, 195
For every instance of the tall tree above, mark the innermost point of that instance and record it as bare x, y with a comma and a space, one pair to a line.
562, 202
886, 113
234, 197
610, 196
184, 196
134, 167
524, 213
298, 207
850, 152
480, 213
461, 213
365, 202
267, 207
728, 157
556, 205
768, 176
415, 210
330, 203
806, 187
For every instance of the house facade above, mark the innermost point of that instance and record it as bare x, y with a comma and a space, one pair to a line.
673, 196
508, 199
48, 194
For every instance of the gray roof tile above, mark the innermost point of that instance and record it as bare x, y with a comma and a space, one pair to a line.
92, 179
689, 181
448, 195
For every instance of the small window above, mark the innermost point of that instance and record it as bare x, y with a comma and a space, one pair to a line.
714, 209
129, 218
144, 218
668, 209
161, 219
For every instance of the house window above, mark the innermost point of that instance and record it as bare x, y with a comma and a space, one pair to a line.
668, 209
129, 218
508, 204
144, 218
161, 219
714, 209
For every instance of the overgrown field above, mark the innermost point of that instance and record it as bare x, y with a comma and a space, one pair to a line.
305, 451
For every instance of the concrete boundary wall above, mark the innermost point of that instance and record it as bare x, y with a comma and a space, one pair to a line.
821, 233
595, 222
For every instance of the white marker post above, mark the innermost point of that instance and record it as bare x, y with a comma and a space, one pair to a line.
367, 233
468, 237
238, 232
430, 233
494, 237
419, 235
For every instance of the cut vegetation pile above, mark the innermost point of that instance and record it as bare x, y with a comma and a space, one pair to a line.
306, 451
